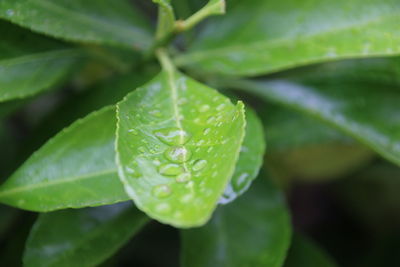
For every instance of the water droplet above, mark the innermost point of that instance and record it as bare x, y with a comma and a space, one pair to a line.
204, 108
178, 154
221, 107
132, 172
172, 136
170, 169
186, 198
211, 119
206, 131
183, 177
133, 131
200, 142
156, 162
142, 149
161, 191
241, 181
155, 113
199, 165
10, 12
163, 208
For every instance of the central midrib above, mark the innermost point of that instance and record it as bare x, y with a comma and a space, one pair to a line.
174, 95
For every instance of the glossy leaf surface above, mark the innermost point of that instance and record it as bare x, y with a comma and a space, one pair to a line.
250, 159
177, 145
84, 237
74, 169
320, 152
304, 252
95, 21
367, 113
254, 230
258, 37
30, 63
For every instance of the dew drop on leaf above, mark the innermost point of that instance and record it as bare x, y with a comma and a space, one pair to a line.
172, 136
221, 107
206, 131
170, 169
133, 131
199, 165
204, 108
178, 154
161, 191
183, 177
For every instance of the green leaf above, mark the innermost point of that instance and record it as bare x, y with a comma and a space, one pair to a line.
84, 237
177, 145
258, 37
250, 159
303, 252
369, 115
320, 152
254, 230
93, 21
166, 18
30, 63
74, 169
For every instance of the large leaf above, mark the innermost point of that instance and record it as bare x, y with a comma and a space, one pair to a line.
303, 252
94, 21
84, 237
369, 114
259, 37
177, 145
30, 63
252, 231
250, 159
74, 169
320, 152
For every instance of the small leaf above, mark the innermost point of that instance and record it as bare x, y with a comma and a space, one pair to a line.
84, 237
258, 37
303, 252
177, 145
370, 115
250, 159
166, 18
30, 63
254, 230
94, 21
74, 169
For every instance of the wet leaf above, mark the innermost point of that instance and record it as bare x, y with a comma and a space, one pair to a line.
250, 159
74, 169
84, 237
94, 21
177, 145
368, 114
30, 63
258, 37
254, 230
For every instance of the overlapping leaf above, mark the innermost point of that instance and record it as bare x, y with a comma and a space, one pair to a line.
30, 63
252, 231
84, 237
74, 169
319, 152
258, 37
369, 113
95, 21
177, 145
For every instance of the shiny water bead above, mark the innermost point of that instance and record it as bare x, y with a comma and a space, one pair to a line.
172, 136
170, 169
178, 154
